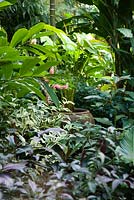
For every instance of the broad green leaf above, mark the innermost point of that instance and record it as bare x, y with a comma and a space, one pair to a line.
28, 65
126, 148
4, 4
128, 99
52, 94
126, 32
3, 38
104, 120
8, 53
18, 36
32, 31
3, 33
131, 94
118, 117
7, 71
132, 44
68, 43
131, 110
92, 70
3, 41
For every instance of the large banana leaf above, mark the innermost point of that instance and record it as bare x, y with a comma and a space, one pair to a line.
126, 148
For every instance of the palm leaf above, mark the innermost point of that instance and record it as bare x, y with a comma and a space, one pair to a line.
126, 148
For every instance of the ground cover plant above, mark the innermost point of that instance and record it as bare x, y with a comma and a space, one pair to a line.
110, 105
41, 160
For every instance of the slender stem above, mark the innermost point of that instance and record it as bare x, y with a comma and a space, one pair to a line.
52, 12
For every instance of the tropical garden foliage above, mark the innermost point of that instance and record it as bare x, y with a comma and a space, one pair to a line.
43, 154
113, 21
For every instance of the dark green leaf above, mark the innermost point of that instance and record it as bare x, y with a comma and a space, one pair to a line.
104, 121
52, 94
4, 4
7, 70
126, 148
118, 117
8, 53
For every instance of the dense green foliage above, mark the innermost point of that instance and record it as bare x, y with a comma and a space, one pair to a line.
90, 60
113, 21
23, 14
112, 104
19, 70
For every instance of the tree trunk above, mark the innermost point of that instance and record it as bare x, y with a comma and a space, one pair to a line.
52, 12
